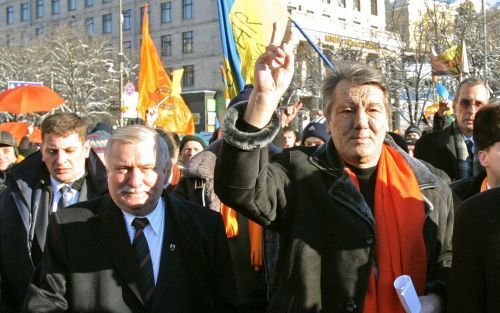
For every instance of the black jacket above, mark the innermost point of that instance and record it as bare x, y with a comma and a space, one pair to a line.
24, 214
89, 264
327, 233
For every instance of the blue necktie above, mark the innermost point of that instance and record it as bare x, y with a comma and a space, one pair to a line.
140, 244
470, 146
66, 196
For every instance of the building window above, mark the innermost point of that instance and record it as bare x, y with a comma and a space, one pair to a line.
106, 1
71, 5
106, 23
357, 5
126, 19
39, 31
89, 3
188, 77
187, 42
89, 25
342, 3
187, 9
24, 12
374, 7
166, 45
127, 47
39, 8
56, 7
166, 12
149, 15
10, 15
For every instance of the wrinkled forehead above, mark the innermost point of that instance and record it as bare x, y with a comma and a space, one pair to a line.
366, 93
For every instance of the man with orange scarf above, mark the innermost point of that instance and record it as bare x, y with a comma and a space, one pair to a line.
353, 214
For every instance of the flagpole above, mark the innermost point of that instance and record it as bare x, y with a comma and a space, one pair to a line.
323, 57
120, 57
485, 43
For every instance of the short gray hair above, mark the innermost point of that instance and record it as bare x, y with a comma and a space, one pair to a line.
471, 81
135, 134
356, 73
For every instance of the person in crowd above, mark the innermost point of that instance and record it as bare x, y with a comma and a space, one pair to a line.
189, 146
137, 249
98, 137
63, 172
9, 156
289, 137
475, 274
487, 138
315, 133
452, 149
443, 116
353, 214
172, 140
413, 132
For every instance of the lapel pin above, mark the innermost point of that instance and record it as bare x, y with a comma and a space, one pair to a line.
172, 247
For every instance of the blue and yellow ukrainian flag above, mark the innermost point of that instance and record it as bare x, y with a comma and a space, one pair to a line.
246, 27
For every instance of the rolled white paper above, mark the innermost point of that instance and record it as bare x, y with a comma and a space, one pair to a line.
407, 294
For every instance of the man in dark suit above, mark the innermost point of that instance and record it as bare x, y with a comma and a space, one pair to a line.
452, 149
63, 172
134, 250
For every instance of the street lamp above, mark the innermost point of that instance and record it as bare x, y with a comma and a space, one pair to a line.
120, 59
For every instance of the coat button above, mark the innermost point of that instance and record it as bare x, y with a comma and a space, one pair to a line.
370, 239
351, 307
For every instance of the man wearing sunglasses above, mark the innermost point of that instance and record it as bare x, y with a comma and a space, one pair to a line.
452, 149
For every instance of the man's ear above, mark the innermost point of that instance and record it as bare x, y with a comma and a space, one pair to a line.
483, 158
86, 148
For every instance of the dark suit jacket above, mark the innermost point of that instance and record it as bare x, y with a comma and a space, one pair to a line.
25, 207
475, 274
439, 149
89, 264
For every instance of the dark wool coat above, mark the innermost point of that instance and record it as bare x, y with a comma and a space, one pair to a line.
25, 207
327, 231
475, 275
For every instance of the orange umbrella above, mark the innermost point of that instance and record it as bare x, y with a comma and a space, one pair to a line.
35, 136
20, 129
26, 99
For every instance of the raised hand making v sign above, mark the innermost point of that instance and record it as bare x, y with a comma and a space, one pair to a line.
273, 74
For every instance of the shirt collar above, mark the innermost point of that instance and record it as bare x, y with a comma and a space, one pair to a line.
155, 218
56, 185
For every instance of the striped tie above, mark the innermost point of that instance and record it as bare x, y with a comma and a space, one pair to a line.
140, 244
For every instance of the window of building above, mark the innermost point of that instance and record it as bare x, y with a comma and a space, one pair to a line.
24, 12
89, 3
166, 45
149, 15
71, 5
106, 23
126, 20
342, 3
357, 5
374, 7
106, 1
10, 15
166, 12
89, 25
187, 42
127, 47
39, 8
188, 77
187, 9
56, 7
39, 31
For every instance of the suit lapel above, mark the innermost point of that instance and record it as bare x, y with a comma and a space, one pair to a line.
112, 233
170, 255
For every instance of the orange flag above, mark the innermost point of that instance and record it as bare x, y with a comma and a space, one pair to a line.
155, 88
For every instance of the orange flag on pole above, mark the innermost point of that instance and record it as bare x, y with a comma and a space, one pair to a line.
155, 88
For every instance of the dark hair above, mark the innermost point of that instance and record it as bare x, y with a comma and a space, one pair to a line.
358, 74
486, 130
64, 123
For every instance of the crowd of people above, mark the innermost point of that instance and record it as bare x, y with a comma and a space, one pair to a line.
261, 219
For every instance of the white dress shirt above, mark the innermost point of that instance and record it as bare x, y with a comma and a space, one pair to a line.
56, 186
153, 232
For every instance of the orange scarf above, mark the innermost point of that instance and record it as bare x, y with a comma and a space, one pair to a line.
255, 233
400, 248
484, 185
